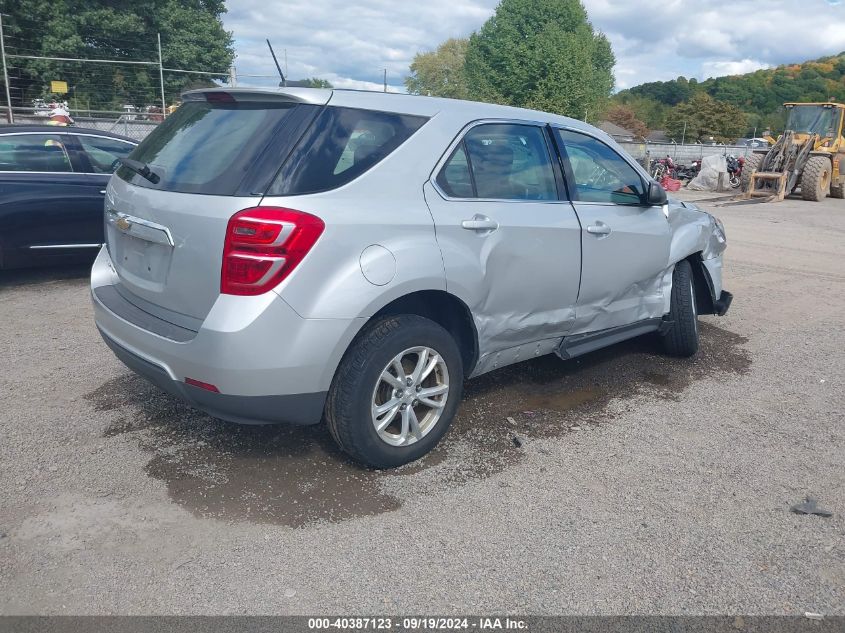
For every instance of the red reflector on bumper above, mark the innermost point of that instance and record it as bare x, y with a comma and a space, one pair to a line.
201, 385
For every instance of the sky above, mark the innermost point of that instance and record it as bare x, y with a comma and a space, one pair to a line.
352, 43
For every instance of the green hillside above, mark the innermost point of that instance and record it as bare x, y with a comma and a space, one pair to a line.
759, 94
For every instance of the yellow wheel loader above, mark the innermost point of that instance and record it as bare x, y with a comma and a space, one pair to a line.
810, 154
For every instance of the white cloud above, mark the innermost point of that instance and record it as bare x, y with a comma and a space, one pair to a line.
351, 43
719, 68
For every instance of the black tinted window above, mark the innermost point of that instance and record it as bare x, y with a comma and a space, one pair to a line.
103, 152
212, 147
340, 145
511, 162
454, 179
600, 174
34, 152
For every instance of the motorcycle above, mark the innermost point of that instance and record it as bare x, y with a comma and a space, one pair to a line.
663, 167
735, 166
687, 173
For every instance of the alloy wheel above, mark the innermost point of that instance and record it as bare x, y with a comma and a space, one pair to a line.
409, 396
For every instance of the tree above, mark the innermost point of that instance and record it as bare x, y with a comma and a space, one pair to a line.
192, 38
440, 73
624, 116
541, 54
703, 117
649, 111
760, 93
315, 82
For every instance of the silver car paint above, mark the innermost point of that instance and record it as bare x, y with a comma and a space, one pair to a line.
291, 340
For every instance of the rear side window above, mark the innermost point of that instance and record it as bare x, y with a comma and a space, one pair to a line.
342, 144
34, 152
454, 179
213, 147
103, 152
506, 162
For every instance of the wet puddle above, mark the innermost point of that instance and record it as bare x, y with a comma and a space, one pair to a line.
295, 476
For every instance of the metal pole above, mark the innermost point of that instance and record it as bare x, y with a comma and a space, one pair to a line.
161, 80
233, 77
684, 135
10, 116
385, 79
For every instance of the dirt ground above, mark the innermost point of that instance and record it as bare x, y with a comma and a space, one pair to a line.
627, 482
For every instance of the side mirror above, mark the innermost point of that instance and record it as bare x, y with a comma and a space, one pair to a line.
656, 195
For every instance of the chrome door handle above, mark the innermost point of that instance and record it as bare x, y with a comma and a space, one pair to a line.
599, 228
480, 223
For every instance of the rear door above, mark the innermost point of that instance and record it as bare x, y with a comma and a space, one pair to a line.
45, 208
510, 239
625, 241
213, 157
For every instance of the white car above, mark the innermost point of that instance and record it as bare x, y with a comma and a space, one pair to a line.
298, 255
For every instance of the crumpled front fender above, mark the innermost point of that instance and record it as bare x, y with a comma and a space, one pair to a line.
694, 231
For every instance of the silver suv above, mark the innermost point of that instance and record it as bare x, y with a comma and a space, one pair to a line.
295, 255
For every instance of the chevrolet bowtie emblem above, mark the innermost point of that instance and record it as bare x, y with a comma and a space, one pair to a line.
123, 224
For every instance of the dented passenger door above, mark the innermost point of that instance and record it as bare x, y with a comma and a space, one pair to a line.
625, 242
510, 239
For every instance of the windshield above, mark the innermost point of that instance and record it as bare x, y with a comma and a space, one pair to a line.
820, 120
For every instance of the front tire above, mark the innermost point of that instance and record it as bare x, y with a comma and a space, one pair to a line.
815, 181
752, 164
396, 391
681, 339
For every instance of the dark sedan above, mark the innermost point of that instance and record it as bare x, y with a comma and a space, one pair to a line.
52, 184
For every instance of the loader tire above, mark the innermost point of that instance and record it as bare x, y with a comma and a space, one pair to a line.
837, 191
815, 181
752, 164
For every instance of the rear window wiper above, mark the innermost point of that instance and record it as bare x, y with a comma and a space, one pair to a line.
142, 169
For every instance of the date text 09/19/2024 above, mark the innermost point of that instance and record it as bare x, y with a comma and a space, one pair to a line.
417, 624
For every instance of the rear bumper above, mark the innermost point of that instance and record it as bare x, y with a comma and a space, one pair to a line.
269, 364
300, 408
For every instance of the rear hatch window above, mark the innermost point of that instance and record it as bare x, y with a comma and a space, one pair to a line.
221, 147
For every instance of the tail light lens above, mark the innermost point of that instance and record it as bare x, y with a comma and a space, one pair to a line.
263, 246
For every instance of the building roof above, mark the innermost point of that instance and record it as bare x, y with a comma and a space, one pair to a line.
658, 136
616, 131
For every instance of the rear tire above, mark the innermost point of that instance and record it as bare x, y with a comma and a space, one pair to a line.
837, 191
751, 165
815, 181
681, 339
359, 387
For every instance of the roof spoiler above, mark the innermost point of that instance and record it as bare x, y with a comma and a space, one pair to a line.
316, 96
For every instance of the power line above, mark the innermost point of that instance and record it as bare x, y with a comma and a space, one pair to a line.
72, 59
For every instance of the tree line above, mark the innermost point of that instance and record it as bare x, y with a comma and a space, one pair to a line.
540, 54
545, 55
738, 104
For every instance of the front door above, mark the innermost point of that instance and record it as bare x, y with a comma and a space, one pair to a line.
510, 239
625, 241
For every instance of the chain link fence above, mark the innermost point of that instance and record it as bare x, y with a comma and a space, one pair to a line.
129, 92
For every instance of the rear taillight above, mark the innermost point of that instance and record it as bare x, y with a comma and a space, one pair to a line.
263, 245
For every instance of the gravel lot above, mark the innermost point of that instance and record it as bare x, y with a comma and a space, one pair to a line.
642, 484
